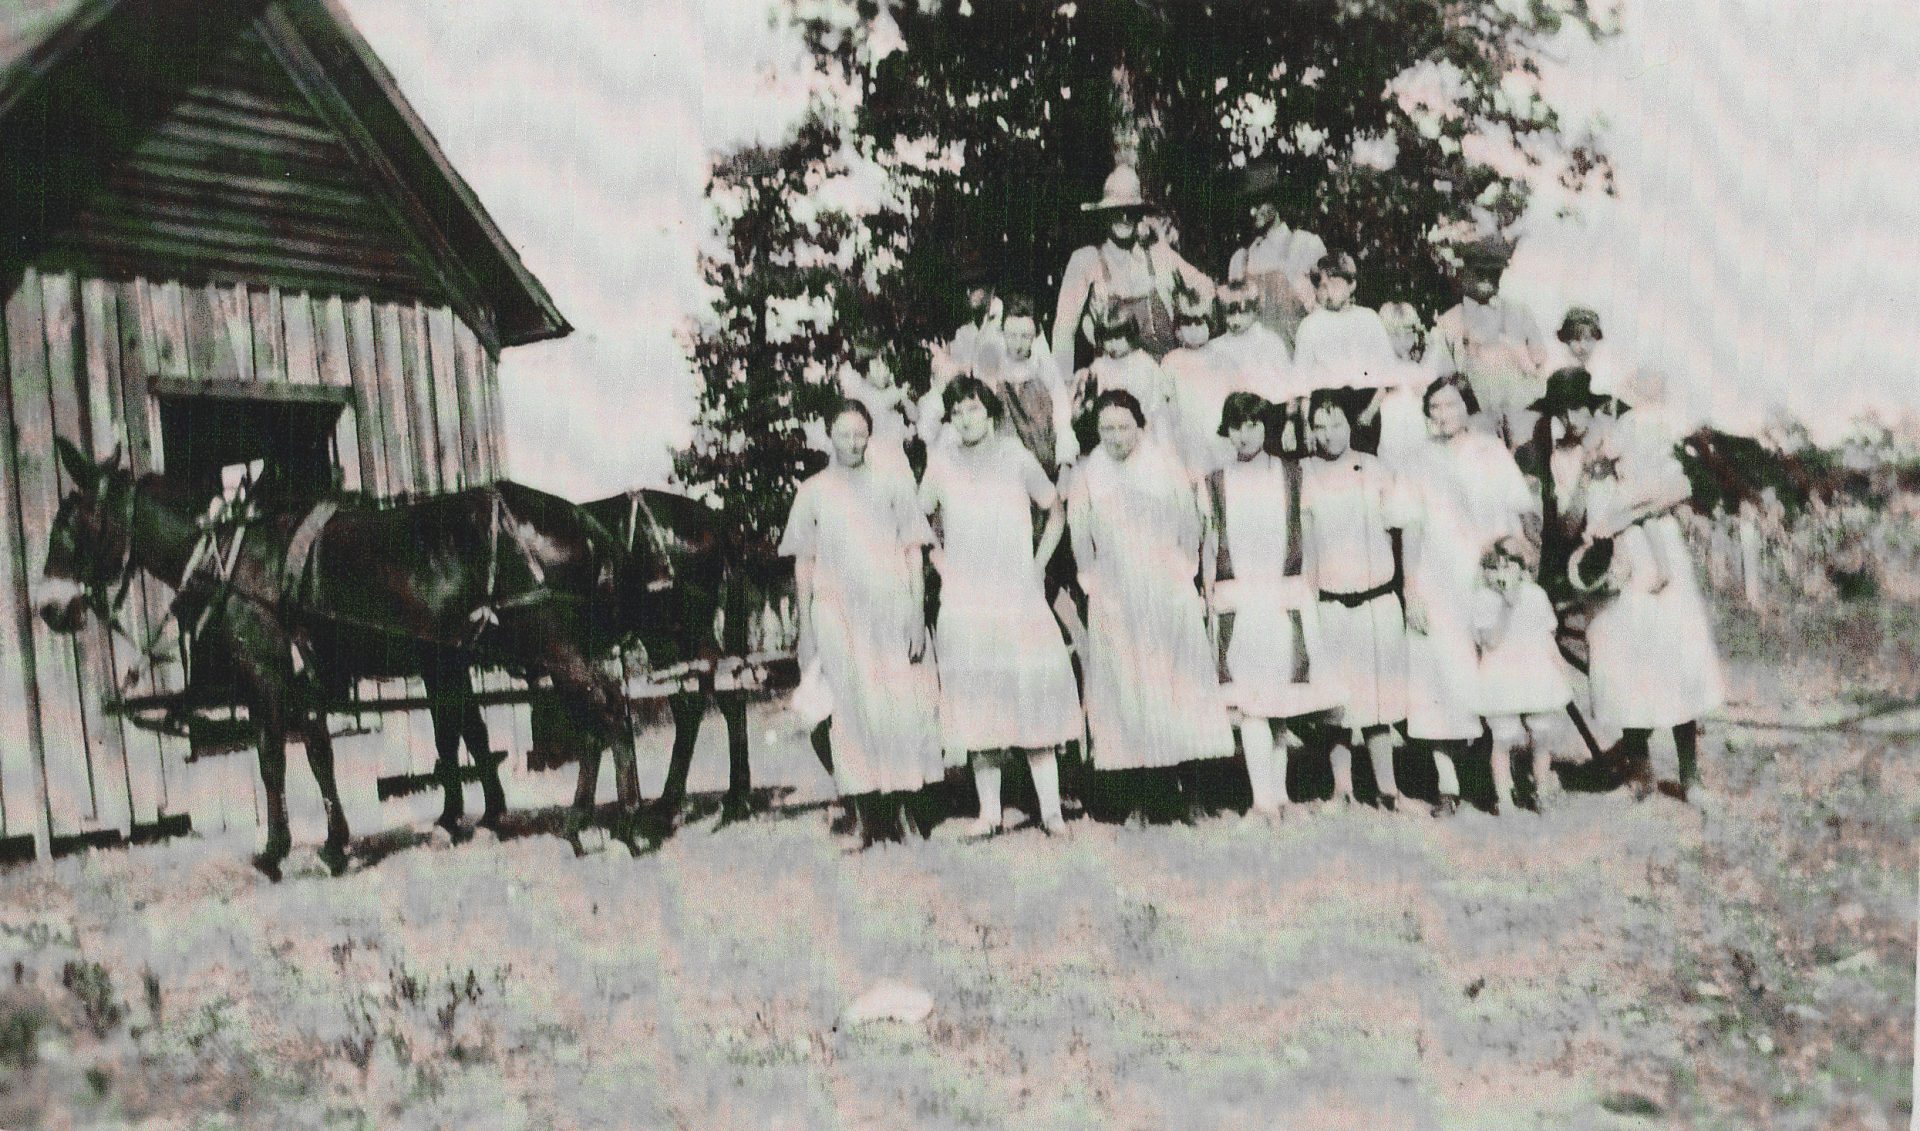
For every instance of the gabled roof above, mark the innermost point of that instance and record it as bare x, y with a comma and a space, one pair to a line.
337, 70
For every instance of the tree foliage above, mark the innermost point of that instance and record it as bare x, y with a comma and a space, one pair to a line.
1397, 129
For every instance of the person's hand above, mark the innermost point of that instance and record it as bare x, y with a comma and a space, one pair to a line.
917, 640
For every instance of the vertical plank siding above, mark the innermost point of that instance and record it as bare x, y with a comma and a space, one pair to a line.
61, 746
77, 357
104, 749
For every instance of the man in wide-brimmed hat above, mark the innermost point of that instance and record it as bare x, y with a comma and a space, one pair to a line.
1279, 259
1127, 270
1494, 341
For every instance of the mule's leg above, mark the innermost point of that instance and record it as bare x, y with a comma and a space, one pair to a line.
473, 729
266, 694
689, 709
739, 800
320, 759
446, 711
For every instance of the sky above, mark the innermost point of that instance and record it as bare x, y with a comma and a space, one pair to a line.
1763, 247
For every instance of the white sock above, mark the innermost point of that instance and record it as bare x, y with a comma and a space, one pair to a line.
1046, 783
1342, 758
1449, 780
986, 783
1380, 748
1543, 778
1256, 738
1503, 773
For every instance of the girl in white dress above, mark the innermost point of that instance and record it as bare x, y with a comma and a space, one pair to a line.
1466, 493
1263, 604
858, 538
1006, 682
1653, 662
1522, 686
1352, 511
1152, 688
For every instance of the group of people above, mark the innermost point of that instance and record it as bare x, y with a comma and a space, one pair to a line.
1257, 510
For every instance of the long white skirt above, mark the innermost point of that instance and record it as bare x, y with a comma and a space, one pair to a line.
1274, 659
1006, 681
1153, 690
1443, 686
1653, 663
885, 724
1363, 658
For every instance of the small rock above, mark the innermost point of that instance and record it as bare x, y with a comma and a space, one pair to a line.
1708, 989
438, 837
888, 1000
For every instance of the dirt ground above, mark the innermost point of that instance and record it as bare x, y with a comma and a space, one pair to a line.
1745, 962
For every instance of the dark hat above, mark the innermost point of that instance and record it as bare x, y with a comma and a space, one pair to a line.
1568, 388
1490, 253
1579, 318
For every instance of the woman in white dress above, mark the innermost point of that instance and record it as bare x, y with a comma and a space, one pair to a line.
858, 541
1006, 682
1467, 493
1522, 685
1653, 662
1352, 514
1264, 606
1152, 688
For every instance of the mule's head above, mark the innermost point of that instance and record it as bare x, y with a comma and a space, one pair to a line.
87, 546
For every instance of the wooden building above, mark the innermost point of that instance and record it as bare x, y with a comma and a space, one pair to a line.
227, 239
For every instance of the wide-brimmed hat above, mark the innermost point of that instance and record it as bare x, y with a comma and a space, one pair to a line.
1567, 389
1122, 190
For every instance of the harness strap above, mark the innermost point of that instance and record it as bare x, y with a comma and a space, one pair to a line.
637, 508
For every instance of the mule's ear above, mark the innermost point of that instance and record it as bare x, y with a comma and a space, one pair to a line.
80, 469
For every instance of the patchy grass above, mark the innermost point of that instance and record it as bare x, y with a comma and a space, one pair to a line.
1744, 963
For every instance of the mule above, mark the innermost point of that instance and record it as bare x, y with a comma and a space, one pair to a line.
502, 575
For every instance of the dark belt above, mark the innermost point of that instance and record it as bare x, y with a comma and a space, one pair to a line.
1355, 600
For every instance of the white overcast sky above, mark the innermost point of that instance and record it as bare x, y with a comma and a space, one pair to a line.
1764, 245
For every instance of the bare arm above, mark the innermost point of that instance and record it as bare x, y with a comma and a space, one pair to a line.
1050, 534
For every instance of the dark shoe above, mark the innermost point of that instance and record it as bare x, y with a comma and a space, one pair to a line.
843, 823
1388, 802
1447, 806
1674, 789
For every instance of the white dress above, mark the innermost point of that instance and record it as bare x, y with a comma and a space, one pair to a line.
1652, 659
1520, 667
1153, 692
1201, 379
1006, 681
1264, 362
1465, 493
1273, 668
1403, 422
856, 525
1343, 348
1350, 503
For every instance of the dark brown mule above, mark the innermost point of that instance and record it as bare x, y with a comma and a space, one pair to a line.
495, 575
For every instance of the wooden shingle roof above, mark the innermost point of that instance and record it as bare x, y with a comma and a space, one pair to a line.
103, 64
